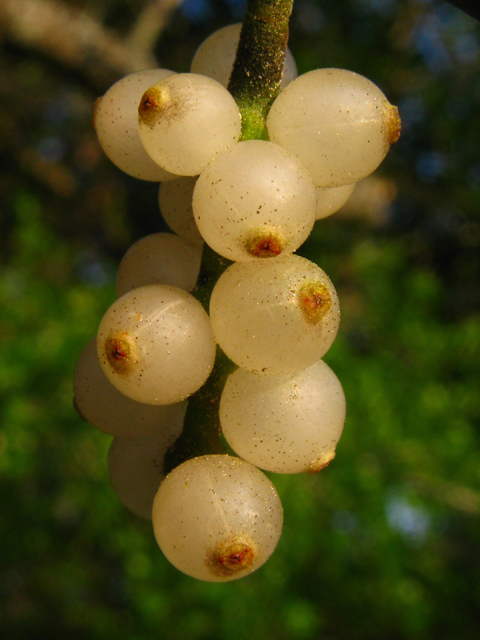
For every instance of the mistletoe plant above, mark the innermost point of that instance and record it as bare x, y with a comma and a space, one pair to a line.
219, 329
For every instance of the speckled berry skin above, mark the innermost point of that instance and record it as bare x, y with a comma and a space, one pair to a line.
217, 518
255, 192
159, 258
115, 120
260, 320
97, 401
337, 122
186, 120
286, 424
156, 345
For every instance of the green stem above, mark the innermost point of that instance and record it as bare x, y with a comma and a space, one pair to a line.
211, 268
255, 83
201, 430
258, 68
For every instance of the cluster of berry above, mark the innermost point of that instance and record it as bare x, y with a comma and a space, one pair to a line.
273, 313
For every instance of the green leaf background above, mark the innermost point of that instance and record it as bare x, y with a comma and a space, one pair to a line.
385, 542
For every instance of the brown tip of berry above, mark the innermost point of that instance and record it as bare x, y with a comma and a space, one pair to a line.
231, 556
315, 301
161, 102
322, 462
393, 124
265, 244
152, 105
120, 350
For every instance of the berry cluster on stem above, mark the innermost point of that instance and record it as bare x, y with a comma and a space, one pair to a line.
254, 84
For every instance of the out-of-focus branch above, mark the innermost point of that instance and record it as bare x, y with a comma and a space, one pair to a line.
472, 7
74, 39
459, 497
149, 24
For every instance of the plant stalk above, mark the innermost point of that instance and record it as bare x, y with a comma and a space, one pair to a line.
258, 67
254, 83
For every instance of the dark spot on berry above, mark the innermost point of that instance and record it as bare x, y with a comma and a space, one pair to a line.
121, 353
265, 244
315, 301
231, 556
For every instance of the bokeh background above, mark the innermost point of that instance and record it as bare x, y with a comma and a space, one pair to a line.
385, 542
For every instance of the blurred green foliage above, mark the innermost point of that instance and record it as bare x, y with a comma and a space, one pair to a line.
385, 542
